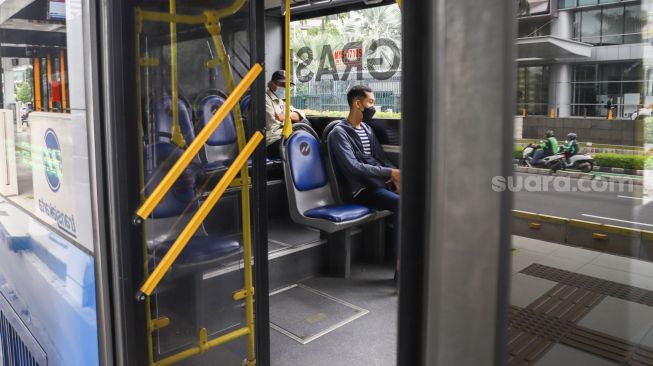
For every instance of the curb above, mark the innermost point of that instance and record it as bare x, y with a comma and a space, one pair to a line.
577, 175
619, 170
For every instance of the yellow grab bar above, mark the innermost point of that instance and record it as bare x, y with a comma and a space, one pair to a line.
166, 183
190, 229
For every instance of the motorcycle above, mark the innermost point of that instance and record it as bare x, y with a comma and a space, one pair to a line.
583, 162
560, 161
554, 162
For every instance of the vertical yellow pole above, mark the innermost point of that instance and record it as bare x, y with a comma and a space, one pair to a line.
37, 84
287, 124
213, 26
141, 178
177, 136
62, 64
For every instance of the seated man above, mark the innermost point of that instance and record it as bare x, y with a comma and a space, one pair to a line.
275, 113
547, 148
571, 146
370, 177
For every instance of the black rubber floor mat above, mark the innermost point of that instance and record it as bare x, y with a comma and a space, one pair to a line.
305, 314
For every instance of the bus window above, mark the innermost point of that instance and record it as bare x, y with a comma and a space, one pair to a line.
332, 53
48, 217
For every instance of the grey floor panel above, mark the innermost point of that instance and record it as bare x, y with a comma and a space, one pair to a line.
305, 314
289, 233
560, 355
273, 247
620, 318
525, 289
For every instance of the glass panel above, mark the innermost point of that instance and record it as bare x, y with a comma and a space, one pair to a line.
576, 28
635, 20
563, 4
591, 26
586, 2
612, 25
44, 154
608, 1
532, 7
333, 53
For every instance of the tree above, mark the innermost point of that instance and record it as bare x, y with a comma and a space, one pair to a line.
24, 92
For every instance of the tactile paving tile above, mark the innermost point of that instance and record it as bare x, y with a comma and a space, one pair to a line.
553, 318
593, 284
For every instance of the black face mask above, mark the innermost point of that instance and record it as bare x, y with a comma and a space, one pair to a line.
368, 113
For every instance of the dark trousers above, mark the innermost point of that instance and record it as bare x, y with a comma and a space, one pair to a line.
272, 151
383, 199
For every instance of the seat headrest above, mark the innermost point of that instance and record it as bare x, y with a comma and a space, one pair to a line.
159, 158
306, 161
328, 129
163, 119
225, 134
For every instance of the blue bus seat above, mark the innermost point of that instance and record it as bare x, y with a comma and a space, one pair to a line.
221, 148
311, 200
170, 217
163, 120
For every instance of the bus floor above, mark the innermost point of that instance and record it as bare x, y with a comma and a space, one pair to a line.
573, 306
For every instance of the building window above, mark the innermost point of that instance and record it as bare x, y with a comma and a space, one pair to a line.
609, 25
593, 84
586, 2
590, 26
612, 26
532, 90
565, 4
634, 22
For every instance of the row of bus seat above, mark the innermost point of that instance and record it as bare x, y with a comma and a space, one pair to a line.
177, 207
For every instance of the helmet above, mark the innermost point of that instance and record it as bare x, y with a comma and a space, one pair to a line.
549, 133
571, 136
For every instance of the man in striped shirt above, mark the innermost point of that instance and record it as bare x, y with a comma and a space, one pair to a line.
369, 178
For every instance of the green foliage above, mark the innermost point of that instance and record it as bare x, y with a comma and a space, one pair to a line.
519, 151
24, 92
378, 114
624, 161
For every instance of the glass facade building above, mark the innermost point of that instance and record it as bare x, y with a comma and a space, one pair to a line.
582, 53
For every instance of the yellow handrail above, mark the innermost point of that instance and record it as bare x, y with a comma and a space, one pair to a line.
287, 124
182, 240
166, 183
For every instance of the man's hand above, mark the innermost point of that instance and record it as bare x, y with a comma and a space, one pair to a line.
280, 116
395, 178
295, 117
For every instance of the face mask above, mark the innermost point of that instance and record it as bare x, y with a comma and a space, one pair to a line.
368, 113
281, 93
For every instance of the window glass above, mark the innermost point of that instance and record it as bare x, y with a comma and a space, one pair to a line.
634, 22
333, 53
612, 26
591, 26
563, 4
44, 167
586, 2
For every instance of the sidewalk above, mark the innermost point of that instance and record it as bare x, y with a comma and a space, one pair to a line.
572, 306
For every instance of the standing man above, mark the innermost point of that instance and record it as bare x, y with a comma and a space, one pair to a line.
275, 114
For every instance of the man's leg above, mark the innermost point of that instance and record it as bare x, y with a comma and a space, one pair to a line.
378, 199
537, 156
383, 199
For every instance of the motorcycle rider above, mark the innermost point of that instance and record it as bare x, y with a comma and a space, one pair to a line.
547, 148
571, 147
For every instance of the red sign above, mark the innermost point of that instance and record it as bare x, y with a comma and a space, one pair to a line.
354, 57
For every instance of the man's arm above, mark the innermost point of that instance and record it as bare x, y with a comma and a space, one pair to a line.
344, 154
380, 154
296, 115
